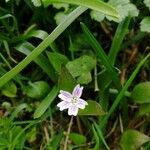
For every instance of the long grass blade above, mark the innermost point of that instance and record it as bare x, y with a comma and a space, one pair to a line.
43, 45
122, 92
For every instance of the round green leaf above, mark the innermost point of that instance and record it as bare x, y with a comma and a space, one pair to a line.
77, 138
141, 93
145, 24
37, 89
132, 140
92, 109
9, 89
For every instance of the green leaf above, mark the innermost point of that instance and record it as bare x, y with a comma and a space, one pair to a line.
92, 109
9, 89
124, 8
100, 134
66, 82
46, 103
144, 109
133, 140
19, 143
101, 55
96, 147
17, 110
85, 78
145, 24
42, 46
147, 3
26, 48
36, 3
123, 90
78, 42
38, 89
120, 33
77, 138
59, 17
97, 16
57, 60
31, 135
94, 4
56, 139
81, 68
141, 93
61, 5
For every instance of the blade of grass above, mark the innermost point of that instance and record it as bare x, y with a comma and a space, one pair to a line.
96, 138
101, 136
136, 38
100, 53
46, 102
92, 4
26, 48
42, 46
118, 39
122, 92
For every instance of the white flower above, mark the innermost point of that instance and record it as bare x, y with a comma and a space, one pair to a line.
72, 102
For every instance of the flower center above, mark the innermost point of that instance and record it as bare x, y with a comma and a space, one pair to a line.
74, 99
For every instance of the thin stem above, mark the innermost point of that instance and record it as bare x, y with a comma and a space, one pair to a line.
68, 132
115, 91
95, 76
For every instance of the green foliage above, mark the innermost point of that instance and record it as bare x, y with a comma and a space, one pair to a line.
66, 82
46, 102
43, 49
92, 109
9, 89
144, 109
144, 25
80, 68
77, 138
95, 4
38, 89
133, 140
147, 3
57, 60
36, 3
140, 93
9, 135
124, 8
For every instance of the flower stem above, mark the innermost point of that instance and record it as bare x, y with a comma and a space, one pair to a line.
68, 132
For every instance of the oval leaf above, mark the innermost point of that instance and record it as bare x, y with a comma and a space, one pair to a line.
66, 82
77, 138
57, 60
141, 93
9, 89
37, 89
132, 140
92, 109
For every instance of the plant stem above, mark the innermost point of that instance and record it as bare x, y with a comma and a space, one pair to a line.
115, 91
68, 132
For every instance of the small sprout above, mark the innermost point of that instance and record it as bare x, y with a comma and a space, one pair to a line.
72, 102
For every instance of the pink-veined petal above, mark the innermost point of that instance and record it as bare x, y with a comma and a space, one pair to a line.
81, 103
63, 105
77, 92
64, 95
73, 110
